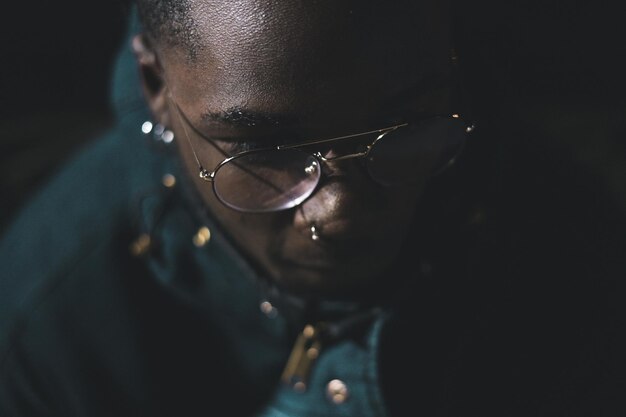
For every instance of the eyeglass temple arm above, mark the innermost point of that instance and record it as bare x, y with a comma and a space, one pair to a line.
318, 142
204, 173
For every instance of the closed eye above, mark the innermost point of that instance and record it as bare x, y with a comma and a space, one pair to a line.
234, 147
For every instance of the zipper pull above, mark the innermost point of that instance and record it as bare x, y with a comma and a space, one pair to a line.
304, 353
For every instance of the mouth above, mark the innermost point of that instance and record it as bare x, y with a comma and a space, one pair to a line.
350, 257
339, 250
346, 253
342, 231
332, 270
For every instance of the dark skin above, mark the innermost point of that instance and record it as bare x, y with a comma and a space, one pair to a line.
319, 71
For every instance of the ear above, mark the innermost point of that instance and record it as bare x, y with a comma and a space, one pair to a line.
152, 78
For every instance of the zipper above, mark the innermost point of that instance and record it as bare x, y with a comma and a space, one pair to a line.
303, 355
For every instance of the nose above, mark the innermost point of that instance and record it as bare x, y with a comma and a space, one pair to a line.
328, 203
344, 190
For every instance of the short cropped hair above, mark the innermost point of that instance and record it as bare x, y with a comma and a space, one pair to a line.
169, 22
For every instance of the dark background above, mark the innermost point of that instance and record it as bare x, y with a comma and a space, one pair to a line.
56, 63
551, 72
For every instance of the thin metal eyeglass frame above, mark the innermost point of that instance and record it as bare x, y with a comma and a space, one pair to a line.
210, 176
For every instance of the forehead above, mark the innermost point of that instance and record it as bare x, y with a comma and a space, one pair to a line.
307, 54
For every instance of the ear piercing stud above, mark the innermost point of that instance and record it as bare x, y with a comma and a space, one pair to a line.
159, 132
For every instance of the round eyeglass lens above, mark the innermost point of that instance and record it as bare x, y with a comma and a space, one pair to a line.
406, 155
266, 181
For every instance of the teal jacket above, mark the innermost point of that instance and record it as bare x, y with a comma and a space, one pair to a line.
110, 305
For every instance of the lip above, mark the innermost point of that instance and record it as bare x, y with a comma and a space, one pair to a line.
327, 262
337, 247
345, 230
320, 265
344, 267
348, 255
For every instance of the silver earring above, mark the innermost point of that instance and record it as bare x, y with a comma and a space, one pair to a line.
159, 132
314, 232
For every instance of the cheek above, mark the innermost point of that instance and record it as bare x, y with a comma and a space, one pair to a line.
403, 207
259, 237
404, 199
253, 233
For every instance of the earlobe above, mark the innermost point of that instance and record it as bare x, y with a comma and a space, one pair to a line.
152, 77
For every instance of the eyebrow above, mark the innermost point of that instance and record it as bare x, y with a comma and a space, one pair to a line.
241, 117
238, 116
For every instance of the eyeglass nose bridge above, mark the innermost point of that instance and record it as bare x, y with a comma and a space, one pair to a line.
361, 154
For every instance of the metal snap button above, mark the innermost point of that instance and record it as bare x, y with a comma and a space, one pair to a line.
337, 391
202, 236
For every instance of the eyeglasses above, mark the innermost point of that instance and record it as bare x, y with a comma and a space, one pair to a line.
283, 176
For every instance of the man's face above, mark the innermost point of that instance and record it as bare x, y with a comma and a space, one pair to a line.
271, 71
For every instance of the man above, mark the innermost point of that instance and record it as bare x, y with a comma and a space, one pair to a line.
292, 226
